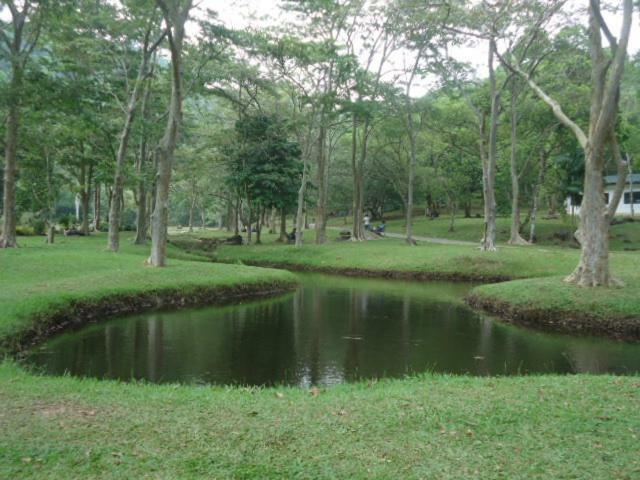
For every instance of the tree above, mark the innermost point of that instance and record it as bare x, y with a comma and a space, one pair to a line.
264, 165
18, 40
148, 47
176, 14
606, 76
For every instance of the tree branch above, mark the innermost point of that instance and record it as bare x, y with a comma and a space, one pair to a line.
554, 105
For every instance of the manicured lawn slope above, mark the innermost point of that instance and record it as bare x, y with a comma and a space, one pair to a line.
550, 232
427, 427
37, 280
395, 255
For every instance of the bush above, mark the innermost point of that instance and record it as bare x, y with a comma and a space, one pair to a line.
25, 231
39, 226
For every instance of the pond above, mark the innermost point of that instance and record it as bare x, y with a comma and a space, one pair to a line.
331, 330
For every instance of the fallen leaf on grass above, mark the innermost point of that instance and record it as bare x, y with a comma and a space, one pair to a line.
315, 391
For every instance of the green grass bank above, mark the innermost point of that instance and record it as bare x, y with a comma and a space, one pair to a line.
556, 232
46, 287
537, 298
423, 427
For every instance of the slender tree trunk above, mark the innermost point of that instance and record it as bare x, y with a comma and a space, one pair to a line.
321, 209
536, 197
192, 208
97, 207
452, 218
118, 181
51, 199
141, 215
166, 149
515, 237
412, 150
259, 226
250, 221
359, 233
229, 220
412, 174
9, 220
272, 220
142, 223
630, 176
85, 196
489, 166
357, 227
236, 217
283, 227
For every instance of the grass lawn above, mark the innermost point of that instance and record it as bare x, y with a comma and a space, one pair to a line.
39, 280
424, 427
431, 426
623, 236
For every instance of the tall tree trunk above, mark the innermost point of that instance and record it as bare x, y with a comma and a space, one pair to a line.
284, 238
192, 209
515, 238
118, 181
142, 223
593, 268
630, 176
51, 199
236, 217
86, 176
358, 220
323, 167
250, 220
489, 166
412, 150
97, 206
452, 212
536, 197
259, 226
175, 21
9, 220
358, 174
141, 215
272, 220
467, 209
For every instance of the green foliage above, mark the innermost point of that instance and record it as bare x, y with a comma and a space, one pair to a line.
264, 164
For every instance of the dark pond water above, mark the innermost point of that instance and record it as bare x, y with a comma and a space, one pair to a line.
331, 330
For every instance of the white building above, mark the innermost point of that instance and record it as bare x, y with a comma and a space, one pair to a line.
624, 207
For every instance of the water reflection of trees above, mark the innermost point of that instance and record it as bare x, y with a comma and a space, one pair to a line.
324, 334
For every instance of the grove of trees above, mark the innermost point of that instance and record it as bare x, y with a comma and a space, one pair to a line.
140, 114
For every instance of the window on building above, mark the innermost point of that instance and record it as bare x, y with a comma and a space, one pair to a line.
627, 197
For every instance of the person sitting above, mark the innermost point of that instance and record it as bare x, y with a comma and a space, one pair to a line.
381, 228
292, 236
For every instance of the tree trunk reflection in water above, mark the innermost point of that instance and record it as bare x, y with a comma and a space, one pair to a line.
155, 328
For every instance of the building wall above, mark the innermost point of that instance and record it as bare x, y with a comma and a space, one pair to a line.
623, 208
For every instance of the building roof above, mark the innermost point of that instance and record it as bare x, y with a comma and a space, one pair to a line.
612, 179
